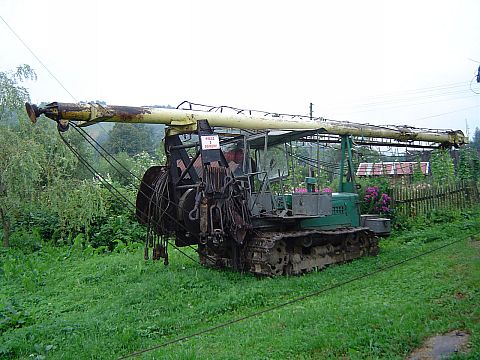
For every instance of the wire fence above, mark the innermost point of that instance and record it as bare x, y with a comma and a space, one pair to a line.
422, 199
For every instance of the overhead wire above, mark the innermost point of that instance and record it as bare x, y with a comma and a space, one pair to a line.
471, 88
76, 153
448, 112
37, 58
115, 191
435, 88
43, 64
414, 96
408, 105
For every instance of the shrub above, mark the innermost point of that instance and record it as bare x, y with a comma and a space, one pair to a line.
375, 202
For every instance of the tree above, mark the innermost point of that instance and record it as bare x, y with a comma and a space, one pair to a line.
37, 171
12, 97
475, 143
130, 138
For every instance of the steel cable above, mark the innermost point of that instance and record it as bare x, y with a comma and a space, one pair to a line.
93, 142
120, 196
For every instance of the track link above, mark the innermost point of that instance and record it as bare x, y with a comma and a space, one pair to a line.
298, 252
294, 252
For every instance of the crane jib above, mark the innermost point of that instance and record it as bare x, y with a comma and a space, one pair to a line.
185, 121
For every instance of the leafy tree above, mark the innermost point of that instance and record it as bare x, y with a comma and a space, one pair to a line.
36, 168
12, 94
12, 97
475, 143
130, 138
366, 154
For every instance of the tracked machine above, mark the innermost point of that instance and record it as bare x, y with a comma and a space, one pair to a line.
226, 186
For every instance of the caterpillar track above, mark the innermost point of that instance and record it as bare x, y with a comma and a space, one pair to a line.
296, 252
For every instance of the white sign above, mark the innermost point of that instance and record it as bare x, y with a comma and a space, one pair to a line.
210, 142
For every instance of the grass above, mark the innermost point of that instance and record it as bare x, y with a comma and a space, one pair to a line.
64, 303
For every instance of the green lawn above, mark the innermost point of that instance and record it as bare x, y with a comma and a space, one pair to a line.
61, 303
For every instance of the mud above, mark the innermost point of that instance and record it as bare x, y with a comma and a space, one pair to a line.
442, 346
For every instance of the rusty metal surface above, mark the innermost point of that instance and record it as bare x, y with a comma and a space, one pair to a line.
129, 113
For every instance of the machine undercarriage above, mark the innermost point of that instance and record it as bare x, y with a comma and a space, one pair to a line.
295, 252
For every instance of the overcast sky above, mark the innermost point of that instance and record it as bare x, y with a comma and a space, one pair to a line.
382, 62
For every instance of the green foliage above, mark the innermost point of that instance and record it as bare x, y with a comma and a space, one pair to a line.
441, 164
13, 318
42, 185
77, 203
117, 229
14, 190
417, 175
469, 164
27, 241
382, 183
366, 154
475, 143
130, 170
12, 94
130, 138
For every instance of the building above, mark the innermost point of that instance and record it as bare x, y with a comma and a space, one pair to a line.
396, 169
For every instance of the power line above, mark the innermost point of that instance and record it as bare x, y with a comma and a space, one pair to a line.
38, 59
471, 82
379, 108
289, 302
415, 97
449, 112
445, 90
46, 68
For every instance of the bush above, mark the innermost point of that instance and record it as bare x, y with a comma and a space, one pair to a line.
116, 229
27, 241
374, 196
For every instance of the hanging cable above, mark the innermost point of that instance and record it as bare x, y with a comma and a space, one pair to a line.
290, 302
122, 197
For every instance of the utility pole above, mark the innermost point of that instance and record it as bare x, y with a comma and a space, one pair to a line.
311, 172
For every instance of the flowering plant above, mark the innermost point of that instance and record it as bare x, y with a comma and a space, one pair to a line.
304, 190
300, 190
375, 202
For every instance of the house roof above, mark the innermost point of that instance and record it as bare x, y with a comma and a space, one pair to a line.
392, 168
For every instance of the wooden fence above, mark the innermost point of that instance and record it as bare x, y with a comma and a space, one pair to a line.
417, 200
